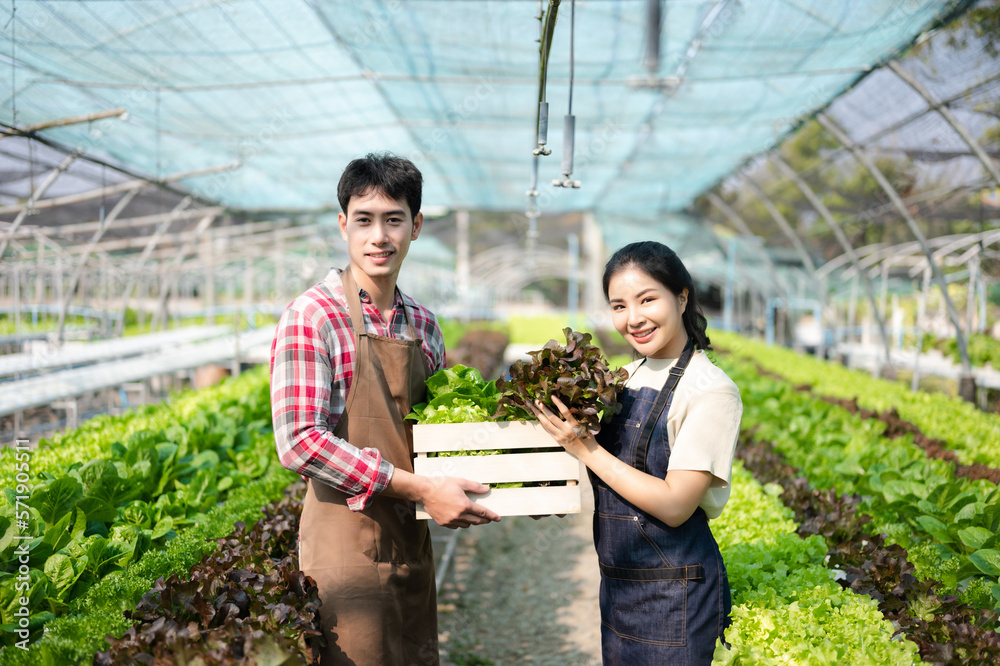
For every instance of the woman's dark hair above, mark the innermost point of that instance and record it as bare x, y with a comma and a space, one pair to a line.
663, 265
395, 177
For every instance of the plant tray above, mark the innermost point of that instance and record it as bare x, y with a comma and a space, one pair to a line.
552, 465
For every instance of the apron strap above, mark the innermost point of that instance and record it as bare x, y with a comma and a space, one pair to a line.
690, 572
663, 399
354, 305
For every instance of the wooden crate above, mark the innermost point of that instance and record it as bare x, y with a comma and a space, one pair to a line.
551, 465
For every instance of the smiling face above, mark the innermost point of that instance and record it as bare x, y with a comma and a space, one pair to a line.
647, 313
378, 231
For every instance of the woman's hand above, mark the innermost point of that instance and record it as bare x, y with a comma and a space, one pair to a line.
564, 428
671, 500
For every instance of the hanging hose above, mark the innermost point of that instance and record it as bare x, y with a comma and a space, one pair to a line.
547, 29
572, 38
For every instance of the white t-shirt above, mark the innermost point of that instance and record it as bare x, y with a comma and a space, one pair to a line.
703, 423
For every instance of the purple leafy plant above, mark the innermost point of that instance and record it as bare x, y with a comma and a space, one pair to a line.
577, 373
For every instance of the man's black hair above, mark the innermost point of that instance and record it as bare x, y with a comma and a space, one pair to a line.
395, 177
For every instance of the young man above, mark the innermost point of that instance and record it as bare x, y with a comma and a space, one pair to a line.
349, 359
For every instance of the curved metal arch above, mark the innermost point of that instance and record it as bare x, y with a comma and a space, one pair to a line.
520, 276
501, 256
841, 259
906, 248
968, 254
510, 266
712, 273
968, 239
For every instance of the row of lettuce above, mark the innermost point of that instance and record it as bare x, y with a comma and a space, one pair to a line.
111, 507
787, 606
982, 348
950, 525
928, 538
972, 434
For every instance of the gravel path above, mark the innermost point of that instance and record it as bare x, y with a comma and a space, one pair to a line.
523, 591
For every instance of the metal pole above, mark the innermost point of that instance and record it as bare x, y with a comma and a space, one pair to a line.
593, 246
574, 278
970, 301
852, 308
144, 256
842, 238
742, 227
75, 278
248, 286
279, 268
29, 206
982, 303
945, 112
966, 381
783, 224
75, 120
730, 214
727, 302
32, 231
462, 259
39, 275
169, 280
883, 300
105, 303
208, 261
17, 298
915, 382
117, 188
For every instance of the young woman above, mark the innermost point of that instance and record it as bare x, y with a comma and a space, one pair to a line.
660, 469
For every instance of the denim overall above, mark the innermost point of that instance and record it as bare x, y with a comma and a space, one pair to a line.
664, 590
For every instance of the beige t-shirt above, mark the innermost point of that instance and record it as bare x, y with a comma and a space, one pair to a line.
703, 423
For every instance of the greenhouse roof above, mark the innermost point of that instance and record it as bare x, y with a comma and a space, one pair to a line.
293, 90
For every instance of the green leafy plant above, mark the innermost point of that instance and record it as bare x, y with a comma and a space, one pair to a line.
457, 395
577, 373
907, 496
92, 517
73, 637
941, 625
786, 606
247, 393
970, 433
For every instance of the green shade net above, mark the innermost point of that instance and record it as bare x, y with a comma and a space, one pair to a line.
294, 90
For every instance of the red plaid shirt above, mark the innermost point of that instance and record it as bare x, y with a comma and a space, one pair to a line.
312, 360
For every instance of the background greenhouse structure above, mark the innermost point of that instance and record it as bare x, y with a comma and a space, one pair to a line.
828, 170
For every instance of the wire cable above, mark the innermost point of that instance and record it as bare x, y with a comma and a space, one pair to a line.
13, 61
572, 33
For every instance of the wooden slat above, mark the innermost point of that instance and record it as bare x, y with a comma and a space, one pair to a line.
526, 501
480, 436
551, 466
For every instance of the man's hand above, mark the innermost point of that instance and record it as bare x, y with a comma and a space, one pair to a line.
443, 498
449, 506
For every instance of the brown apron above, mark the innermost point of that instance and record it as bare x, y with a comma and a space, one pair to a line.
374, 568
